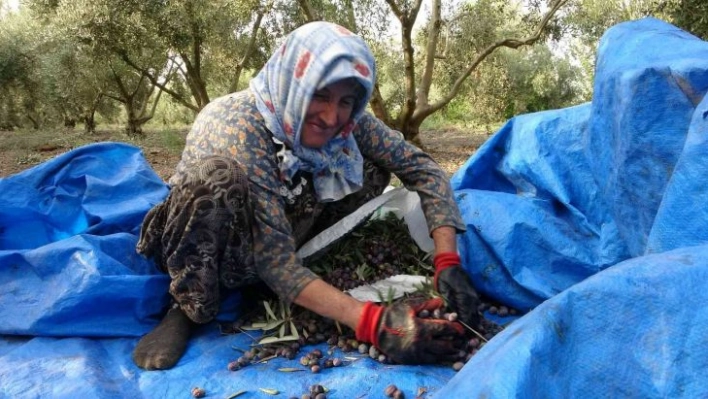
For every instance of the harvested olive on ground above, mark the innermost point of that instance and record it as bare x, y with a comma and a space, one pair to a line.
376, 250
457, 366
315, 389
363, 348
390, 390
198, 392
451, 316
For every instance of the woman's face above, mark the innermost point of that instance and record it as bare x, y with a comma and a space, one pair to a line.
330, 109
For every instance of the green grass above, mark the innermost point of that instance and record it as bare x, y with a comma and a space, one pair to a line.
172, 139
433, 123
21, 149
31, 139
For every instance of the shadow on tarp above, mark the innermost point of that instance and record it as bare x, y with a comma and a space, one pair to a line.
75, 296
635, 330
102, 368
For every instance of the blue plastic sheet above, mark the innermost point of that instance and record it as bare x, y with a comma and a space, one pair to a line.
592, 216
595, 216
635, 330
555, 197
68, 230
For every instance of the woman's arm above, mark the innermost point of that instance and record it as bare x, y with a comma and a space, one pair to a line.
327, 301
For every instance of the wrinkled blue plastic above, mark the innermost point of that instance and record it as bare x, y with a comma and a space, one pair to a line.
68, 229
555, 197
635, 330
593, 216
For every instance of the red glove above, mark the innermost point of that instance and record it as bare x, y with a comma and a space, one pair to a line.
454, 285
405, 338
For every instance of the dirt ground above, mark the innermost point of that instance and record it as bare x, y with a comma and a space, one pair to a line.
22, 150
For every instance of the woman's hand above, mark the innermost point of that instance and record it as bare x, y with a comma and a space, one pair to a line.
405, 338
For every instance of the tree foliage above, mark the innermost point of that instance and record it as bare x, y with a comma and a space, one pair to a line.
483, 28
690, 15
589, 19
486, 59
21, 86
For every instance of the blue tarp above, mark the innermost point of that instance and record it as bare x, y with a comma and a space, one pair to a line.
591, 217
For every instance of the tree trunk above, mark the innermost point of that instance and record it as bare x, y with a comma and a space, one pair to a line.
69, 122
411, 132
35, 122
89, 123
90, 115
134, 126
415, 108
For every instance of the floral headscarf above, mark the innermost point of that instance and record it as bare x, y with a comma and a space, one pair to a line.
312, 57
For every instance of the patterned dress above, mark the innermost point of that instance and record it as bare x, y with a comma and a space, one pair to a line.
247, 194
230, 220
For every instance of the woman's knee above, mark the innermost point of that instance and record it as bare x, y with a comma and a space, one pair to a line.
214, 172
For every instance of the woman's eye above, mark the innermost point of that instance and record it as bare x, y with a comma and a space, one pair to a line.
320, 97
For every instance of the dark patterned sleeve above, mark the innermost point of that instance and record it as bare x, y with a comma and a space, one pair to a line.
232, 127
416, 170
274, 247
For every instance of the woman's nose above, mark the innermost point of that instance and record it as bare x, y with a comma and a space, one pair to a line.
329, 114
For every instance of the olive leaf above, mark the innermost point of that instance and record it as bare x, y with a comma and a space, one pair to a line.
269, 311
264, 326
272, 340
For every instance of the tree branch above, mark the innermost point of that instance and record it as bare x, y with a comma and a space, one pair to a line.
415, 10
396, 11
423, 112
426, 78
111, 96
154, 81
192, 81
146, 97
121, 87
310, 13
168, 77
378, 106
137, 87
249, 50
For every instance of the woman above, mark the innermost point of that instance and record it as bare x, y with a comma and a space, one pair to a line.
268, 167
